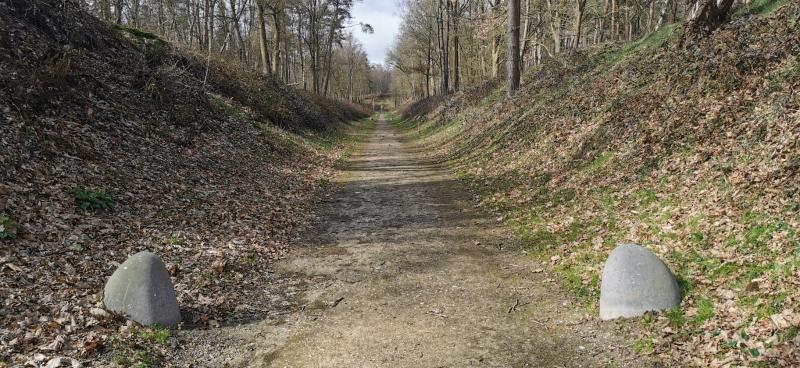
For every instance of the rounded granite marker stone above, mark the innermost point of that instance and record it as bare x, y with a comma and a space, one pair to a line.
636, 281
142, 290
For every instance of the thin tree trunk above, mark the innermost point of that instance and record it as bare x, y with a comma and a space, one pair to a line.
614, 29
456, 67
118, 11
513, 47
525, 35
210, 41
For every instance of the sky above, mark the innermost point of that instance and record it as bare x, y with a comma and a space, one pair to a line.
384, 17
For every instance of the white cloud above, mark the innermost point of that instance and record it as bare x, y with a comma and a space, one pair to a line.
384, 17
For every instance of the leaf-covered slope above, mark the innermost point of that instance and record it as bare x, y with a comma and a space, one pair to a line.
694, 153
112, 145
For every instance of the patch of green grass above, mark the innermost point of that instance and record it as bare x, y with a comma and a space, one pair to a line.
562, 196
684, 283
228, 107
643, 346
573, 279
646, 196
787, 74
758, 7
432, 128
646, 43
705, 310
494, 96
324, 182
8, 228
675, 317
599, 162
760, 230
138, 33
538, 240
131, 351
156, 335
174, 239
88, 199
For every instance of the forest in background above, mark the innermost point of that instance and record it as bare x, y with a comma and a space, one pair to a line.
447, 45
304, 43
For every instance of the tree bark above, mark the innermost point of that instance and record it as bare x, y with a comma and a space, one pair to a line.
707, 15
118, 11
580, 6
513, 47
329, 52
454, 12
277, 34
262, 32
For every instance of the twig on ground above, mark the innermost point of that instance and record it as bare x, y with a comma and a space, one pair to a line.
436, 313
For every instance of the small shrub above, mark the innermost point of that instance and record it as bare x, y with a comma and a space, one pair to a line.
87, 199
8, 228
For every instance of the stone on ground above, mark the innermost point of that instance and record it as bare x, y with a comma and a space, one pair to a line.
142, 290
636, 281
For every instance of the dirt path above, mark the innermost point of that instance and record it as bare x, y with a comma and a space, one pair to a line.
406, 273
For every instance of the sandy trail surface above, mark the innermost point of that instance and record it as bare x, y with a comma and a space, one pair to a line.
402, 270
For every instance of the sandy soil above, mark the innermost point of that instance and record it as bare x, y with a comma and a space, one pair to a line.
403, 271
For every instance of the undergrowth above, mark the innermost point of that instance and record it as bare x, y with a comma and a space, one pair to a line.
8, 228
92, 199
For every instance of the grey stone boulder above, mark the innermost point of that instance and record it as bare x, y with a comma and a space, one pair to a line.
142, 290
636, 281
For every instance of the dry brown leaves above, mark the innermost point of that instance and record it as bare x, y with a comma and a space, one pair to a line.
693, 153
216, 196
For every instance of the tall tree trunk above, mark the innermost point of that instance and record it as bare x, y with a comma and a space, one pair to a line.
210, 16
300, 50
456, 67
614, 29
513, 47
525, 36
238, 30
662, 17
118, 11
495, 49
160, 11
277, 34
329, 52
580, 5
555, 26
262, 32
428, 63
443, 38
